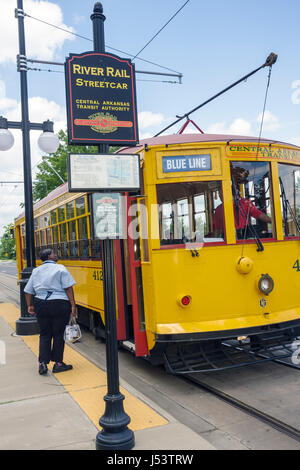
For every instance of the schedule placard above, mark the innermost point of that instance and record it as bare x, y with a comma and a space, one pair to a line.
103, 172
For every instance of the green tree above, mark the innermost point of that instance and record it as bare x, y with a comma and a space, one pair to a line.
47, 178
7, 243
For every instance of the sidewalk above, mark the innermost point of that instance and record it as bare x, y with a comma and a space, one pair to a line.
62, 411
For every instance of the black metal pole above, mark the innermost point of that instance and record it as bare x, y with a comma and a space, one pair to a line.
115, 434
27, 324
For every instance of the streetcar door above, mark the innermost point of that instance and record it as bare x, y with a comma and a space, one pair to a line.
120, 290
133, 286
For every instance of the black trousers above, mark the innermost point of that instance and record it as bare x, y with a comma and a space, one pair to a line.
52, 317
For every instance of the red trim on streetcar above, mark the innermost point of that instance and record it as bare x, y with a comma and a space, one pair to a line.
121, 325
140, 338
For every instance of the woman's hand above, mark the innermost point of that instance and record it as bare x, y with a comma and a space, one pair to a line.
74, 311
30, 310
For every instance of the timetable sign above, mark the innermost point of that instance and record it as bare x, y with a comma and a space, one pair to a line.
107, 216
103, 172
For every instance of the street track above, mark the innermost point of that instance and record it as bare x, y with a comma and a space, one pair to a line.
271, 421
280, 426
9, 291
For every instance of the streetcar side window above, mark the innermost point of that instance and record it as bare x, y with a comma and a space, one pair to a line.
289, 184
73, 253
53, 216
23, 242
66, 230
187, 211
167, 231
43, 238
55, 235
36, 237
252, 199
80, 206
48, 237
70, 210
37, 243
83, 240
61, 213
47, 220
63, 246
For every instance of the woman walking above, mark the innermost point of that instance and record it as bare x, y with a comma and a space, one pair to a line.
52, 286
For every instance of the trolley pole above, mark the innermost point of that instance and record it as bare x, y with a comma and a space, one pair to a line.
115, 434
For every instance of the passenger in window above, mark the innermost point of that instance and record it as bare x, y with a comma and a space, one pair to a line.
86, 251
243, 208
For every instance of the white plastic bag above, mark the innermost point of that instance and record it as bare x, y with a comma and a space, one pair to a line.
72, 331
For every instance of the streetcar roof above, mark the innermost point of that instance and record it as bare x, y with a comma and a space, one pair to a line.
166, 140
197, 137
63, 188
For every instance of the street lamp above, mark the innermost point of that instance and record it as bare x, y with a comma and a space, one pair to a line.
6, 137
48, 142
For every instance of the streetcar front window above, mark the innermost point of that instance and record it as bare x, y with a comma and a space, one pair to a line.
252, 199
166, 221
187, 210
289, 183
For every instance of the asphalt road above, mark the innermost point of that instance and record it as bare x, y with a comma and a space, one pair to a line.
8, 267
272, 387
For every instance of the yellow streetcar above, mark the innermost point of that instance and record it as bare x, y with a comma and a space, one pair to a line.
208, 275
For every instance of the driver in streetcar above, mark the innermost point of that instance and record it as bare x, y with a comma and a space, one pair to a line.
243, 208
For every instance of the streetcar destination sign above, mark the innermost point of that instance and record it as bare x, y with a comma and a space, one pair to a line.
186, 163
99, 172
101, 99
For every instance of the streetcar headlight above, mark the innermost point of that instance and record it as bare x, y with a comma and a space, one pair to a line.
266, 284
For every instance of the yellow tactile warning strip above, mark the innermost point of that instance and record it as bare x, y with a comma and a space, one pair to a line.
86, 383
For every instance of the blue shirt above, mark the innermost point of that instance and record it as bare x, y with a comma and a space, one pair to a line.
52, 277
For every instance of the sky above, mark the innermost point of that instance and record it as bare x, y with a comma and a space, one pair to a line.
211, 43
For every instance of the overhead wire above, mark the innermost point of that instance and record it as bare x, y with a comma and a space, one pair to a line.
91, 40
16, 185
34, 69
161, 29
8, 195
156, 81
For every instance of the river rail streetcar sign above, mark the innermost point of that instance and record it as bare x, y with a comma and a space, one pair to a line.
101, 99
103, 172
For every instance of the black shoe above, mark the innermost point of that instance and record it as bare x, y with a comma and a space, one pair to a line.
43, 369
61, 368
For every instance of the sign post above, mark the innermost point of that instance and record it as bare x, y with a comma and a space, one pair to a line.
102, 111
